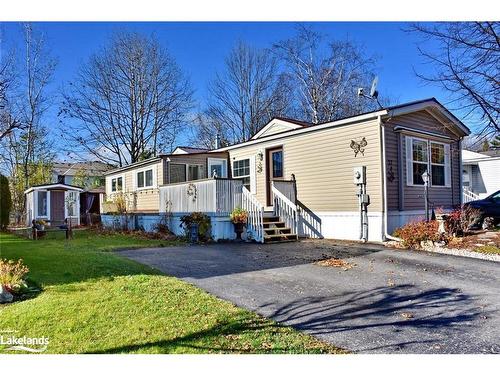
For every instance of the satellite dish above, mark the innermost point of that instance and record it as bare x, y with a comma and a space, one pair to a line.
373, 90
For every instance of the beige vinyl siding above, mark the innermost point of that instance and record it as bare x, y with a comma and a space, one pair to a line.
413, 195
143, 200
323, 163
277, 128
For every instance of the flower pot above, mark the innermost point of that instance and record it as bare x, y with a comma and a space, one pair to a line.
238, 229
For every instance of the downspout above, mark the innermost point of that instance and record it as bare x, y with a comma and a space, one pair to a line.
385, 235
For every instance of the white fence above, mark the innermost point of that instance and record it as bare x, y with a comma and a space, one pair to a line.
255, 209
209, 195
468, 196
285, 209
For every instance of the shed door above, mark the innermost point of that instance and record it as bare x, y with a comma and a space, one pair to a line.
57, 206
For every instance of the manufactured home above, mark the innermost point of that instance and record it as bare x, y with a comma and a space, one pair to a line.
480, 174
327, 180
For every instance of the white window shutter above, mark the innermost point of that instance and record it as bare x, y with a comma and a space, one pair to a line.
447, 166
409, 166
253, 179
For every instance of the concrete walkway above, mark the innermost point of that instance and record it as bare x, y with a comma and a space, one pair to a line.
391, 301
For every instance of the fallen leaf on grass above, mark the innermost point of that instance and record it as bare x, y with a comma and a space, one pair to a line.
334, 262
407, 315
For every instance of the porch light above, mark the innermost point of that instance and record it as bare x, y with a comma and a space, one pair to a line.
426, 177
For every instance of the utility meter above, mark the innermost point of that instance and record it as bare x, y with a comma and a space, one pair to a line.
359, 174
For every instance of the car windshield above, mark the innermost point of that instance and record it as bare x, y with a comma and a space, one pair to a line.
495, 196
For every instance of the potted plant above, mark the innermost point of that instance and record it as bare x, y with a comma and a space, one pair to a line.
40, 224
239, 219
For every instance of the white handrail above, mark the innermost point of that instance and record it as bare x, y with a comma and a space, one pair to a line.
285, 209
468, 196
255, 209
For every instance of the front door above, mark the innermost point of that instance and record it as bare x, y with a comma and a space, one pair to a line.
274, 170
57, 206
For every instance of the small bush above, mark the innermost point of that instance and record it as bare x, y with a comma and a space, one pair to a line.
12, 275
461, 220
412, 234
203, 222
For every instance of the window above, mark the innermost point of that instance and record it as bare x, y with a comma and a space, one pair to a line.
177, 173
277, 164
241, 169
217, 167
424, 155
60, 179
195, 172
42, 203
71, 203
420, 160
437, 164
117, 184
145, 179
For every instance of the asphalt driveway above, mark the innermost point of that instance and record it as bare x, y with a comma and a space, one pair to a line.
391, 301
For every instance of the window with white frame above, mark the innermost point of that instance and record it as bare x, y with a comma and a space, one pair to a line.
217, 168
144, 179
431, 156
42, 203
117, 184
71, 203
241, 169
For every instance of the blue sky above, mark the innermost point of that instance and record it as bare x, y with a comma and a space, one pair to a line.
200, 48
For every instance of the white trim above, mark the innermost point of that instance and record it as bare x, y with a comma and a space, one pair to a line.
347, 121
409, 162
252, 175
110, 179
143, 170
52, 186
405, 129
216, 161
405, 109
274, 122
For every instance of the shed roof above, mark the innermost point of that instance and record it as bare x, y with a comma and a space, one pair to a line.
53, 187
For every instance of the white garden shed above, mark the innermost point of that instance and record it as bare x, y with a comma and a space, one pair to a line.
53, 203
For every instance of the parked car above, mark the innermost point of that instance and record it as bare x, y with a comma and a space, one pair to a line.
489, 207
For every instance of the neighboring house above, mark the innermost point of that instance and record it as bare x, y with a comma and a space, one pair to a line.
481, 173
53, 203
64, 173
296, 178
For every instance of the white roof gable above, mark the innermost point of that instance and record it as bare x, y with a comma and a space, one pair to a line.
276, 126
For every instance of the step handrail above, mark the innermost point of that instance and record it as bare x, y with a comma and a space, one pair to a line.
285, 209
468, 195
255, 209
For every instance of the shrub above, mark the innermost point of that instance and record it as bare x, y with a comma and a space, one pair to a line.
5, 202
12, 275
203, 222
412, 234
239, 215
461, 220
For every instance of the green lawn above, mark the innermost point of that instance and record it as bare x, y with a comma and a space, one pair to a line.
94, 301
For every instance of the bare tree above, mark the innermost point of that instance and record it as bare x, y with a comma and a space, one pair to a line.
7, 82
466, 63
130, 100
244, 97
26, 151
326, 75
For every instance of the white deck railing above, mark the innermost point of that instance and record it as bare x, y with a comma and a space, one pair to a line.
285, 209
255, 222
468, 196
209, 195
287, 188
